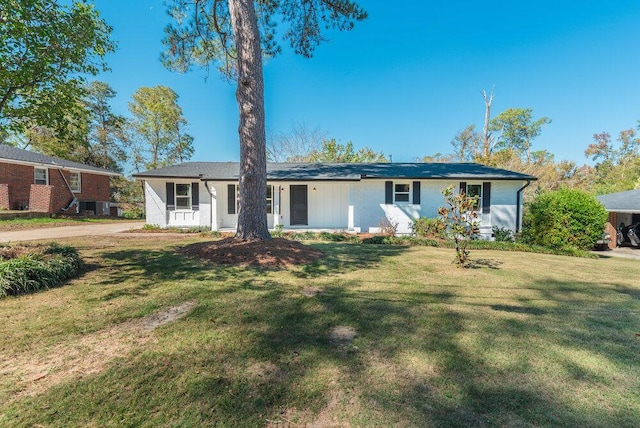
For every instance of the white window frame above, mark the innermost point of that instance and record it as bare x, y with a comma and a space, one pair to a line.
78, 188
478, 207
186, 197
402, 193
269, 199
46, 176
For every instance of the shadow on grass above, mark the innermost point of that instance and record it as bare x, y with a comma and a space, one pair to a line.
258, 350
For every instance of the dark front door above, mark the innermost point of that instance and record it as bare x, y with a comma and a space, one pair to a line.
299, 205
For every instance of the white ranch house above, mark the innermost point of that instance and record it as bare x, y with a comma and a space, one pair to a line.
348, 197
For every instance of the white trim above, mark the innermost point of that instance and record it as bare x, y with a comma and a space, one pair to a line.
79, 188
46, 176
66, 168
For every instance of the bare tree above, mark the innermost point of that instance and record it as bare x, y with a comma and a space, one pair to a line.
297, 145
487, 138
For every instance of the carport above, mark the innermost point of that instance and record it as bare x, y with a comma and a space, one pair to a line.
623, 207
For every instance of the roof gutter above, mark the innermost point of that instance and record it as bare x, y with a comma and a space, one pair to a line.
518, 200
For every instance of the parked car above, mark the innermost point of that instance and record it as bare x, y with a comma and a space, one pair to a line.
628, 235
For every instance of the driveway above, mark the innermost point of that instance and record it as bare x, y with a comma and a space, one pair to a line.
69, 231
624, 252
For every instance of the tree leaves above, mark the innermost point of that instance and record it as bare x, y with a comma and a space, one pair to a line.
45, 49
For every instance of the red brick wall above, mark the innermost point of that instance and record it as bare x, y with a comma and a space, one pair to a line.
4, 196
40, 198
609, 227
20, 178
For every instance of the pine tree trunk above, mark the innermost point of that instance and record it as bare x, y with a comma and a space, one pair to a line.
252, 214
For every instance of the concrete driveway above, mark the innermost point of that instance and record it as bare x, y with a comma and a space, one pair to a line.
53, 233
623, 252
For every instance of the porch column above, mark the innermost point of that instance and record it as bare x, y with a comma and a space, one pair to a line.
214, 208
276, 205
351, 215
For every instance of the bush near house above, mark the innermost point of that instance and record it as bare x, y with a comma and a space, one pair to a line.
564, 218
29, 269
424, 227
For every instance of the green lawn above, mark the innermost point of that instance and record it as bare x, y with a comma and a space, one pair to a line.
369, 336
38, 222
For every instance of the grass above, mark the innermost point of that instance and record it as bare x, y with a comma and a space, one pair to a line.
369, 336
15, 224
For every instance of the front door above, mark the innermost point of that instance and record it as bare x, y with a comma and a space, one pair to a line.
299, 205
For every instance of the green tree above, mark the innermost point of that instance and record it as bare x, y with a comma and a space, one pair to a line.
159, 139
45, 49
461, 221
107, 131
237, 35
517, 130
334, 152
564, 218
616, 168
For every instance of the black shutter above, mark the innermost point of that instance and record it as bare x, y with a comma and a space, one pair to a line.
171, 196
463, 187
195, 196
486, 197
231, 199
388, 192
416, 193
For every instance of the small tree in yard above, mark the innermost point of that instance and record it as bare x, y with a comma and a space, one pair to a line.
460, 217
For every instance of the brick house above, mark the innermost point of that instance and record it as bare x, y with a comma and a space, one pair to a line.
35, 182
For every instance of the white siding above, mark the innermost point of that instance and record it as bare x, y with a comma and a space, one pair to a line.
156, 206
155, 202
329, 205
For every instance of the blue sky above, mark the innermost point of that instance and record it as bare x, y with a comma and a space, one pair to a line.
404, 81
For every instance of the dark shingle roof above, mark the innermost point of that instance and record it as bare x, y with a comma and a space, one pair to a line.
10, 153
228, 171
628, 201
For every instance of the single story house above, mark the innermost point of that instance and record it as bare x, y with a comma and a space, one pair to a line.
354, 197
623, 208
36, 182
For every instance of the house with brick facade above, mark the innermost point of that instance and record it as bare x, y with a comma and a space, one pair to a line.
355, 197
35, 182
623, 209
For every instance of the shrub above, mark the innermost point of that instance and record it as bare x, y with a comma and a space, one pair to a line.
429, 228
387, 227
564, 218
278, 232
502, 234
133, 213
38, 270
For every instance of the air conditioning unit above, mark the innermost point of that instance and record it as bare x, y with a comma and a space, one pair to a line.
102, 208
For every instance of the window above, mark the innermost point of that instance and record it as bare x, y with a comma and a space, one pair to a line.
74, 182
183, 196
233, 199
401, 192
269, 199
475, 190
41, 176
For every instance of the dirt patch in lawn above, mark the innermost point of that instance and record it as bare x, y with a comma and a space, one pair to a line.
33, 374
8, 252
275, 253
